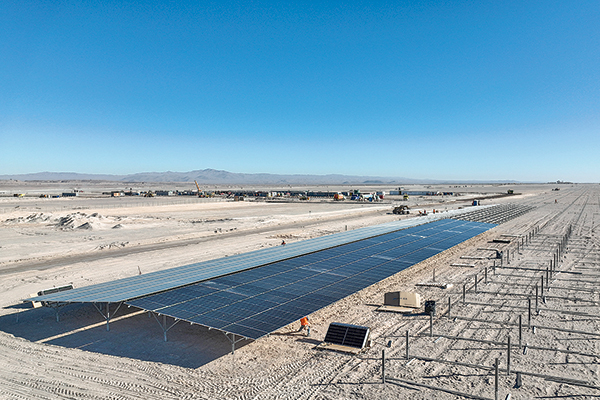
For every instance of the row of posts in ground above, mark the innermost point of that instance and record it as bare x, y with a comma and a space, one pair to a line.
541, 288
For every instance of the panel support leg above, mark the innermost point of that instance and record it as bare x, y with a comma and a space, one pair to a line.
107, 315
232, 339
163, 325
55, 307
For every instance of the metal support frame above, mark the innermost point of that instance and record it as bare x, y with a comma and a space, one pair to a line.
496, 391
233, 340
163, 324
107, 316
54, 306
383, 366
407, 348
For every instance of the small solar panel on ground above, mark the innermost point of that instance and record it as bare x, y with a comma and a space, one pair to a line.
347, 335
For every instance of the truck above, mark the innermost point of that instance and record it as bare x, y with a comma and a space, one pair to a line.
402, 210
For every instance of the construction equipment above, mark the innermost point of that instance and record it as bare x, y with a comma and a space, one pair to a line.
37, 304
405, 197
54, 290
338, 197
198, 187
401, 210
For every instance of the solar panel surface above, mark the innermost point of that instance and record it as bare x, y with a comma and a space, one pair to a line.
256, 302
143, 285
347, 335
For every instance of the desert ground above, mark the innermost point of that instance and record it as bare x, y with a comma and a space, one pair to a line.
89, 239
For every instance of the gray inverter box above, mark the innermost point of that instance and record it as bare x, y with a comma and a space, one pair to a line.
403, 299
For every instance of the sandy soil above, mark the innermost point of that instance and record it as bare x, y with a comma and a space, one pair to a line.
50, 242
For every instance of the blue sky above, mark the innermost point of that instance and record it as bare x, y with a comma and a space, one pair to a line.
417, 89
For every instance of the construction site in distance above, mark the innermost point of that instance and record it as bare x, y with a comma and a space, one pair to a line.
437, 292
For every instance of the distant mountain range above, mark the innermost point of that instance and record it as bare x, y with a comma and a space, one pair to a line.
212, 176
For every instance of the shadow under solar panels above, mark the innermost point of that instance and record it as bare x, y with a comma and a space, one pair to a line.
256, 302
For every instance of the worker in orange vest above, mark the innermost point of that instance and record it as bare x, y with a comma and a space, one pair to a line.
304, 324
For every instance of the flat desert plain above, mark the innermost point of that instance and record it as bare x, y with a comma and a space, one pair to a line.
553, 249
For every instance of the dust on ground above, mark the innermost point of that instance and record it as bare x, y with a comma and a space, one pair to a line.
87, 241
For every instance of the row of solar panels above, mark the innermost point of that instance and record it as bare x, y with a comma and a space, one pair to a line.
256, 302
497, 214
142, 285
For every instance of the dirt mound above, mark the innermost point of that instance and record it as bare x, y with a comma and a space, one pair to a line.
78, 220
113, 245
35, 217
38, 217
203, 221
285, 236
65, 222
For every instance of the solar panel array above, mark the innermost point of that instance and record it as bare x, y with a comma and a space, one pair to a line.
154, 282
256, 302
496, 214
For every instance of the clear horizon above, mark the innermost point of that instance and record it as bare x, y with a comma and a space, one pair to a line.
417, 181
461, 91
